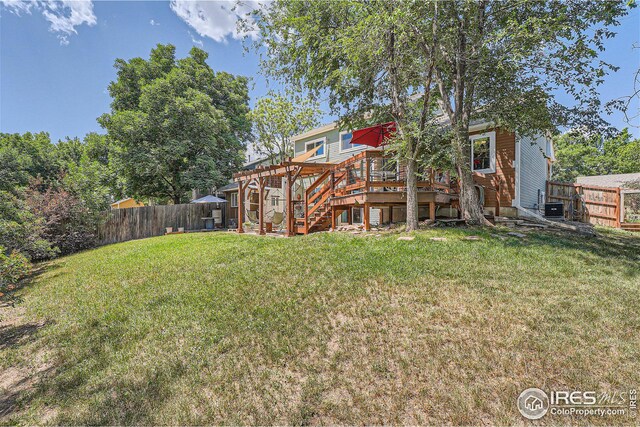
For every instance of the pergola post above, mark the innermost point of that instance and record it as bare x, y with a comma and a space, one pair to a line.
261, 184
241, 188
289, 205
367, 223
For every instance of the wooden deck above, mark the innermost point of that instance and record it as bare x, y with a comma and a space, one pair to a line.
368, 179
387, 198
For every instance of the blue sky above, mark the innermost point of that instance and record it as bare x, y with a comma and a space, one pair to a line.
56, 58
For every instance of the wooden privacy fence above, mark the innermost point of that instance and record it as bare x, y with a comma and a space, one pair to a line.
587, 203
121, 225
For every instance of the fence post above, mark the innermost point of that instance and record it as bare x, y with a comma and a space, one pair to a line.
618, 207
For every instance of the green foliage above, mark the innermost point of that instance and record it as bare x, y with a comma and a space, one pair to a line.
177, 125
67, 223
51, 195
578, 154
277, 118
21, 229
26, 156
13, 268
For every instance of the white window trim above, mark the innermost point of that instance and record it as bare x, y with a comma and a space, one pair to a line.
492, 151
359, 147
231, 201
315, 141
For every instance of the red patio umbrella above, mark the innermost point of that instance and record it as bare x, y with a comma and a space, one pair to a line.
374, 136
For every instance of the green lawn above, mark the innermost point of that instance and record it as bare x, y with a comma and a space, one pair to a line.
335, 328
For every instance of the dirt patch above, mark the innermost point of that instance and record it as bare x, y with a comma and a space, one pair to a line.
17, 381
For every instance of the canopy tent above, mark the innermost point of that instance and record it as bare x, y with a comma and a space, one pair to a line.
374, 136
209, 199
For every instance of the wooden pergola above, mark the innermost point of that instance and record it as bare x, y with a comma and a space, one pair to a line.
291, 170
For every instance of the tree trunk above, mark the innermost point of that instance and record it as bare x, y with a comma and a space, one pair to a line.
411, 167
470, 206
176, 199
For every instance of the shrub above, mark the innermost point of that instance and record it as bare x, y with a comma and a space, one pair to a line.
68, 223
13, 268
21, 230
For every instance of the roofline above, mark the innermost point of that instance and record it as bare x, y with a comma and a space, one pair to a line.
261, 159
334, 125
316, 131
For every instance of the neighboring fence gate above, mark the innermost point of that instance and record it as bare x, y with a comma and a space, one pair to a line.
121, 225
587, 203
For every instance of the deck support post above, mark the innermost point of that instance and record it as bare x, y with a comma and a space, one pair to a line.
432, 211
261, 184
390, 214
333, 218
349, 215
367, 223
241, 190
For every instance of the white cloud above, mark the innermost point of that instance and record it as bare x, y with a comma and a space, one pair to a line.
216, 19
18, 6
154, 22
63, 15
195, 40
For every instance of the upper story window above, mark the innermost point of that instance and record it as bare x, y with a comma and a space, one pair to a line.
483, 152
345, 142
313, 144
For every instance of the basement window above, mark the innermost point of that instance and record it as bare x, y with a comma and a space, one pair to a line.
483, 152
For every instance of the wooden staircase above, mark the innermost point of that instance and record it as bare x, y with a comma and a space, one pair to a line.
318, 203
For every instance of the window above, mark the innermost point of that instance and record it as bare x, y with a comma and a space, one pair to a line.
275, 201
313, 144
483, 152
234, 200
345, 142
357, 216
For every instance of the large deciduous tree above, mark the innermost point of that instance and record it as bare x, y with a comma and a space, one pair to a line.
177, 124
362, 58
277, 118
505, 62
579, 154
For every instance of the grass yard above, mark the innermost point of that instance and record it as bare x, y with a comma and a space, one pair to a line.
335, 328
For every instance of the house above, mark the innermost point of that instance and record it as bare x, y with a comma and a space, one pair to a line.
338, 177
126, 203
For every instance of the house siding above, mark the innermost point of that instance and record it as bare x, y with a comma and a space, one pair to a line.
332, 147
505, 173
533, 170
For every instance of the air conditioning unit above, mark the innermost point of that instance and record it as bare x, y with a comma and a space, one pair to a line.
554, 210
